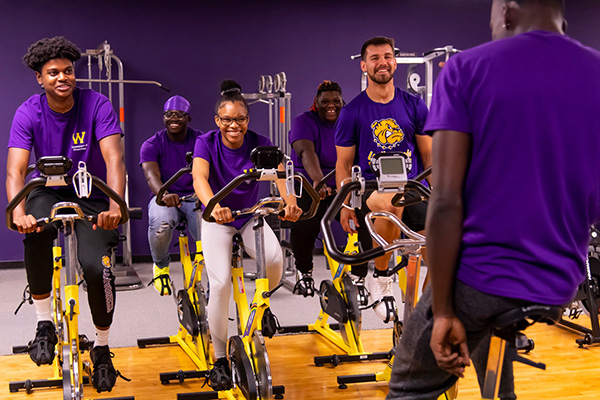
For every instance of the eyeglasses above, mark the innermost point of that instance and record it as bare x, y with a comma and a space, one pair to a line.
174, 114
239, 120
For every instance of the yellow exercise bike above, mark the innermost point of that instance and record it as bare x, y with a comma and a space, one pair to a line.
68, 366
247, 352
193, 335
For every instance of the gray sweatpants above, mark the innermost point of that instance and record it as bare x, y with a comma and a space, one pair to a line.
415, 374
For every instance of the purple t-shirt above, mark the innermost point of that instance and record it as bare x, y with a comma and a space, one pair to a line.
375, 127
75, 134
533, 184
170, 157
309, 126
226, 164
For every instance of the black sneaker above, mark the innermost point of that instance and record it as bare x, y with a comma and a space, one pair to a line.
104, 375
41, 348
219, 377
305, 286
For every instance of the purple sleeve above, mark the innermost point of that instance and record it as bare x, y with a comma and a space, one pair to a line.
149, 150
345, 134
448, 107
21, 131
303, 128
421, 117
106, 120
201, 148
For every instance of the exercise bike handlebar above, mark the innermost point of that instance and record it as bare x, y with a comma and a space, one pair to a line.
185, 170
41, 181
162, 192
415, 239
254, 176
423, 191
262, 206
324, 180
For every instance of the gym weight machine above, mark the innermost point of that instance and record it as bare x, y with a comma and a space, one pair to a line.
125, 276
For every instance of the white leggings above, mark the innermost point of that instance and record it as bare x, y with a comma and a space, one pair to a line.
217, 246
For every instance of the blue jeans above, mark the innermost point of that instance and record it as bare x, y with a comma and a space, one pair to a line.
161, 223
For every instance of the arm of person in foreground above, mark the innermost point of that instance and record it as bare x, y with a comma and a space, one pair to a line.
451, 154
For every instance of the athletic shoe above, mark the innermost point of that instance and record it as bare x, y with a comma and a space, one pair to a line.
104, 375
382, 297
161, 280
362, 292
41, 348
305, 286
219, 377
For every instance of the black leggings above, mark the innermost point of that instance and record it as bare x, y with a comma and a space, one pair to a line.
304, 233
94, 249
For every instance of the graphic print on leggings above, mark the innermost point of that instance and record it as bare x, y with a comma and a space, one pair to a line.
107, 279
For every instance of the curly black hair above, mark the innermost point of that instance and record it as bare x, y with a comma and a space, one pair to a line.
48, 49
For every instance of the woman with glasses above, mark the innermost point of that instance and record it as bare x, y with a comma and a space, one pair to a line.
220, 156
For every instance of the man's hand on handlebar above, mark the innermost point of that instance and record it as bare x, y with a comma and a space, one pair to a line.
324, 191
291, 212
27, 224
171, 200
222, 215
346, 216
108, 220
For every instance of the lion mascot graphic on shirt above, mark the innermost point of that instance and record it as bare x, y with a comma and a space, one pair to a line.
387, 133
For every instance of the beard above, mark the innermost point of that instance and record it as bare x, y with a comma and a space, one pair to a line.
381, 79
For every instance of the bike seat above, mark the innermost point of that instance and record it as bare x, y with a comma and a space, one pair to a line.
509, 324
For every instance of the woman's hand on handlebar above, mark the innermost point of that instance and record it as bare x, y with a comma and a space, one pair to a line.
171, 200
108, 220
346, 216
27, 224
222, 215
291, 212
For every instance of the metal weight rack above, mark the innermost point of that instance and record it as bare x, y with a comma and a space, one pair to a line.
104, 58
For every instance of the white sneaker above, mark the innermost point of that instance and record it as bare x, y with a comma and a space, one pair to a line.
382, 297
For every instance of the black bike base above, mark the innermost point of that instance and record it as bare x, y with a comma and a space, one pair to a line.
589, 335
336, 359
180, 376
143, 343
28, 385
303, 329
278, 392
345, 379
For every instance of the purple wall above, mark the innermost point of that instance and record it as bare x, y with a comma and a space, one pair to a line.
190, 47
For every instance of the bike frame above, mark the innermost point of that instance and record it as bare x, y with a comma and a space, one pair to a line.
71, 310
192, 271
350, 342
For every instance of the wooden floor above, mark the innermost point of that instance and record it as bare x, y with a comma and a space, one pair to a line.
572, 373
